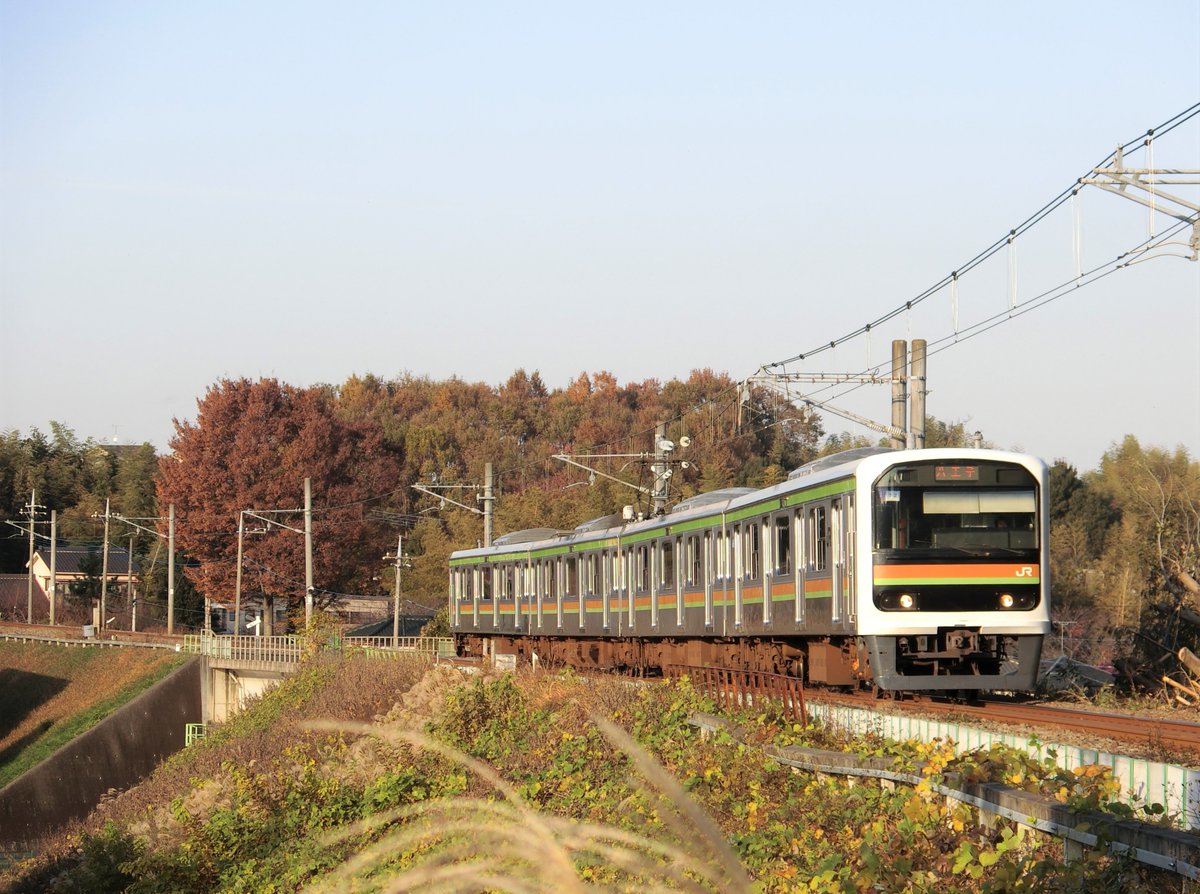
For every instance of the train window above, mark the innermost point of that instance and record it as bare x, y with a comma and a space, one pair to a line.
469, 594
783, 545
961, 519
587, 575
570, 577
818, 532
695, 566
752, 551
552, 578
486, 593
666, 564
642, 564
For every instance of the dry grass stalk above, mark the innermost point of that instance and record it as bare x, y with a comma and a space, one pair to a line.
476, 844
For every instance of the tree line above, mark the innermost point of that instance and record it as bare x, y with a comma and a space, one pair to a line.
1123, 537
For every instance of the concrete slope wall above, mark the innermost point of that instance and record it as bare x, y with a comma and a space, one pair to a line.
115, 754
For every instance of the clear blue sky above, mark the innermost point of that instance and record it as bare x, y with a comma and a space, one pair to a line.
190, 191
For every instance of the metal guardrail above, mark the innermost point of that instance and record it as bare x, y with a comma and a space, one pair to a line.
441, 646
289, 650
743, 688
261, 649
89, 642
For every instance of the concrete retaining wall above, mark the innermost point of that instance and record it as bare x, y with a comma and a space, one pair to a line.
115, 754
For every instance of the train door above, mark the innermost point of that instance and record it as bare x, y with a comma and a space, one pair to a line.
539, 590
655, 562
850, 524
630, 586
801, 563
739, 572
515, 571
706, 575
781, 558
605, 587
679, 579
477, 593
555, 576
818, 580
666, 575
488, 594
837, 561
618, 566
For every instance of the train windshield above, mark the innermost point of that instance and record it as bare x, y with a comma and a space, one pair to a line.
915, 513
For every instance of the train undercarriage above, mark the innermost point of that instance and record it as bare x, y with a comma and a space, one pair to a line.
950, 659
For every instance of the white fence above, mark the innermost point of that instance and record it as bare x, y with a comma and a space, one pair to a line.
290, 649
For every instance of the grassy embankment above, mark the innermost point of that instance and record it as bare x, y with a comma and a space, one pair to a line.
375, 775
51, 694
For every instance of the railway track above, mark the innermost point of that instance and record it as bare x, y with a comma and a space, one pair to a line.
732, 688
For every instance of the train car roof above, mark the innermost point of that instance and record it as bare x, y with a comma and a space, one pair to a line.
714, 503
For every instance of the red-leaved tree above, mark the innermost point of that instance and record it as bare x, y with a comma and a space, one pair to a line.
250, 448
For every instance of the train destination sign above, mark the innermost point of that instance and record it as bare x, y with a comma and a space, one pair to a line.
956, 473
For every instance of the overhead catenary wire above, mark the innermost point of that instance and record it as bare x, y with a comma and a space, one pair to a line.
995, 247
1047, 296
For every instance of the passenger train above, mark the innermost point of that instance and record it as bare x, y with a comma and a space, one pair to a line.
898, 570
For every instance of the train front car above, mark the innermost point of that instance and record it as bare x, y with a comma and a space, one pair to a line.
953, 569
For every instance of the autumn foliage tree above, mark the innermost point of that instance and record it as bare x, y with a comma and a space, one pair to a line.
250, 448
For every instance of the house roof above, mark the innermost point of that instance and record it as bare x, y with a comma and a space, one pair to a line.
69, 556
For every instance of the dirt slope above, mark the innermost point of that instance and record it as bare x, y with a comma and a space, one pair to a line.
49, 694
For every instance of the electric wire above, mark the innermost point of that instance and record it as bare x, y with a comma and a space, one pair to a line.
992, 249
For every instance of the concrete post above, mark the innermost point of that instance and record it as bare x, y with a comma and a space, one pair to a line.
918, 391
899, 390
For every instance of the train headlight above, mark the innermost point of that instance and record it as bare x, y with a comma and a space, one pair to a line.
1006, 600
907, 601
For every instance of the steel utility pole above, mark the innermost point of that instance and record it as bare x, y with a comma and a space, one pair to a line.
400, 564
309, 589
129, 590
308, 554
487, 509
53, 565
32, 511
171, 570
170, 538
104, 575
660, 471
237, 591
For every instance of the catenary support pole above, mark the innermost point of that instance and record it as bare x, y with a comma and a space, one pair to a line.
308, 554
171, 569
237, 587
104, 574
919, 391
899, 390
488, 499
29, 576
131, 595
396, 597
53, 567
